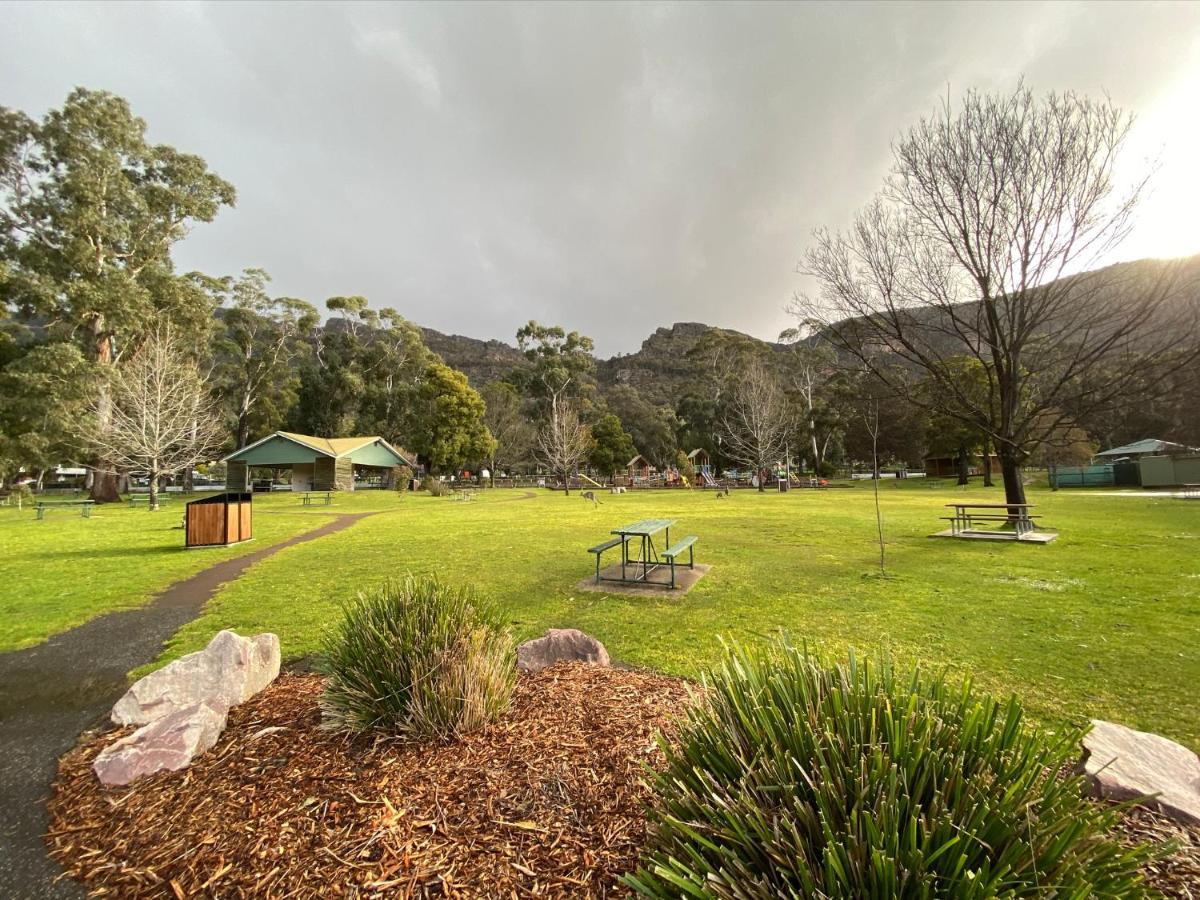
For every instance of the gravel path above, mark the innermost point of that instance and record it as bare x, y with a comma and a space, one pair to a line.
52, 692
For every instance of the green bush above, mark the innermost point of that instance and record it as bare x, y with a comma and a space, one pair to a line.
800, 778
417, 657
435, 486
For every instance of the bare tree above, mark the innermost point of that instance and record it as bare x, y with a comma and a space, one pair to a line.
975, 247
755, 420
564, 442
157, 415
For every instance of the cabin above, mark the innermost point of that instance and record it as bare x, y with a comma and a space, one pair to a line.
947, 466
316, 463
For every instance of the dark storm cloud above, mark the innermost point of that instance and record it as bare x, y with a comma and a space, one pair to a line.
612, 168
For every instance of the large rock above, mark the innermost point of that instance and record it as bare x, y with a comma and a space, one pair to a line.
559, 645
165, 745
1124, 764
228, 671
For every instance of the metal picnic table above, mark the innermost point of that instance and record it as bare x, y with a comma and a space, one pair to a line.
645, 530
964, 519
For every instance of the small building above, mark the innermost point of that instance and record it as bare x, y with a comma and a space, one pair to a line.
1146, 447
639, 468
947, 466
316, 464
700, 459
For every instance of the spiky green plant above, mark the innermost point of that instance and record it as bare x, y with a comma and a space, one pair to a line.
800, 778
419, 657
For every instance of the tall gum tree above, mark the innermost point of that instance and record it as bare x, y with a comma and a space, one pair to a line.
89, 212
984, 242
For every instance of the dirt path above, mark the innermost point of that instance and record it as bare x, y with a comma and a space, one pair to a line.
52, 692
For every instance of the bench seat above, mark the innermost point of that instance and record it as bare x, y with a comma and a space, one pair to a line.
599, 551
676, 550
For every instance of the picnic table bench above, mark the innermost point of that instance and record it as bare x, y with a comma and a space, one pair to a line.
135, 499
311, 497
648, 559
85, 507
966, 515
1191, 492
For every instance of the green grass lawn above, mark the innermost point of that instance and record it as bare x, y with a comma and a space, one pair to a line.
1104, 622
64, 570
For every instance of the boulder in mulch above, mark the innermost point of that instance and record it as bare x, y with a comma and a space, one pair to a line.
560, 645
1124, 764
230, 670
167, 744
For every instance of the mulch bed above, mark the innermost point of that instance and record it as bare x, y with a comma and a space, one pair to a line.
545, 802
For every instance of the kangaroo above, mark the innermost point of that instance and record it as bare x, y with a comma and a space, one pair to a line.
590, 495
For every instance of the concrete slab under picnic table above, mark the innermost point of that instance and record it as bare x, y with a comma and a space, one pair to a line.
1030, 537
659, 581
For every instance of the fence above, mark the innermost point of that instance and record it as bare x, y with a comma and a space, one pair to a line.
1080, 476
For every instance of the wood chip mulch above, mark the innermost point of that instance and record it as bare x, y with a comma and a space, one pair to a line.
545, 802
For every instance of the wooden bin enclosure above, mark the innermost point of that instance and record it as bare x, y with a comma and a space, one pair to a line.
219, 520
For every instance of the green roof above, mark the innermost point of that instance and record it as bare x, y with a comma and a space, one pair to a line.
1148, 445
286, 447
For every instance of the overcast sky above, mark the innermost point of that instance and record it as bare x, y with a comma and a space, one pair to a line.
612, 168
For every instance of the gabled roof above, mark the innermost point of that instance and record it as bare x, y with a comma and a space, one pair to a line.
1148, 445
695, 452
635, 459
332, 447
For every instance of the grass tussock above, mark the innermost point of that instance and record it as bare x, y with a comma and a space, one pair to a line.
417, 657
803, 778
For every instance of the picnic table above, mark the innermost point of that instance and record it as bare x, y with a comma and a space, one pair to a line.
967, 515
648, 559
85, 507
135, 499
1191, 492
311, 497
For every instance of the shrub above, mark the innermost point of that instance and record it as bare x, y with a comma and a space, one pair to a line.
401, 476
417, 657
19, 495
800, 778
435, 486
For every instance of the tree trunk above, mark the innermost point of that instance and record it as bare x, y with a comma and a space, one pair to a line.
1014, 488
153, 504
104, 482
566, 484
963, 465
987, 463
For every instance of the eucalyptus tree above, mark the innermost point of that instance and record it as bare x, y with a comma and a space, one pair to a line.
260, 341
978, 245
507, 423
89, 212
559, 367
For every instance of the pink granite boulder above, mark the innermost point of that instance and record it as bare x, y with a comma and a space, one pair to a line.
167, 744
1123, 764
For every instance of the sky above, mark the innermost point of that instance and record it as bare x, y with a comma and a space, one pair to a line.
611, 168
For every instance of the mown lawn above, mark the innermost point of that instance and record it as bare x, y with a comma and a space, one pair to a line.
1105, 622
60, 572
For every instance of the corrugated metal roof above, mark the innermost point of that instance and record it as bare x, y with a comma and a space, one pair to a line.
330, 446
1147, 445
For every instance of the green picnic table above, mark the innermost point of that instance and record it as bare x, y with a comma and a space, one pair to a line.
311, 497
85, 507
648, 558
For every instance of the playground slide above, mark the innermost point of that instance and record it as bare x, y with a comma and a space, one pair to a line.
583, 477
709, 481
